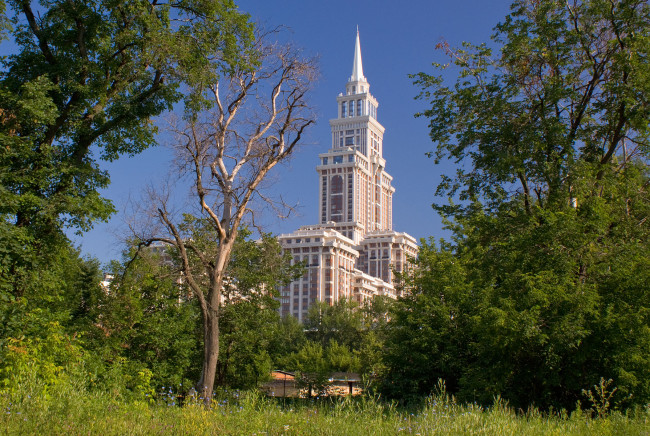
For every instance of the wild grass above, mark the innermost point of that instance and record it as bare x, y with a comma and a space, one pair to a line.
70, 410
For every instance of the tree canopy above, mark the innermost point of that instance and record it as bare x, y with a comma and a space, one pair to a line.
544, 289
567, 93
83, 83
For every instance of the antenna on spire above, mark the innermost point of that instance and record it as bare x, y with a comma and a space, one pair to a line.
357, 66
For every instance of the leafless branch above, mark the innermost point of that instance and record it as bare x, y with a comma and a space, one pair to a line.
258, 118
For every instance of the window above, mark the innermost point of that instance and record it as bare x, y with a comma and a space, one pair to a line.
324, 161
337, 184
336, 199
337, 159
349, 140
351, 108
343, 110
359, 108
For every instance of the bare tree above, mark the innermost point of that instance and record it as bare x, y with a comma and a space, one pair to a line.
256, 120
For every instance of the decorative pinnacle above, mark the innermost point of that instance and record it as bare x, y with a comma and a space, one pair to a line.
357, 66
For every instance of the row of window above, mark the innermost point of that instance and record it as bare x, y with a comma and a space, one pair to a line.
339, 159
362, 108
299, 240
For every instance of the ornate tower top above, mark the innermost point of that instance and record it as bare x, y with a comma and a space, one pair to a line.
357, 83
355, 191
357, 66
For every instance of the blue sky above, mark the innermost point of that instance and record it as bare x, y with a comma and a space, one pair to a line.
397, 38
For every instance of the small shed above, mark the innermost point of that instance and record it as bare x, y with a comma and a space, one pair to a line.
283, 384
344, 383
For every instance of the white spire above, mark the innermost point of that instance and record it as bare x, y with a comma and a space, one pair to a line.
357, 67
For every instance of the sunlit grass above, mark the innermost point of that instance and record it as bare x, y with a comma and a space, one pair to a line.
70, 411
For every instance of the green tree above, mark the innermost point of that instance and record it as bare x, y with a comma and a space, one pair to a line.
83, 84
288, 337
550, 214
314, 364
4, 21
147, 319
429, 334
567, 96
40, 336
250, 325
85, 81
341, 358
257, 119
311, 367
342, 322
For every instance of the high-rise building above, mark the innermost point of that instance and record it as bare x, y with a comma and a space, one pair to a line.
353, 250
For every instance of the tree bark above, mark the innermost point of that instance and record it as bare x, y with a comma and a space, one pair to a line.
210, 354
236, 168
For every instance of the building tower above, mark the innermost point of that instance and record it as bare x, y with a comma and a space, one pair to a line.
355, 194
353, 250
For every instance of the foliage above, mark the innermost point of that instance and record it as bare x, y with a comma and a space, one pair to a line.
84, 82
143, 331
150, 317
250, 323
339, 338
601, 397
256, 118
146, 318
568, 93
311, 367
533, 311
288, 337
257, 268
51, 358
4, 21
70, 410
342, 322
544, 289
427, 334
39, 335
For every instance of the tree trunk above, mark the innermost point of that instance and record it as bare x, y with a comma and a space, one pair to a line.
211, 313
210, 355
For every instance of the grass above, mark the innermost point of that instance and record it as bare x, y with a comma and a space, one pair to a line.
69, 411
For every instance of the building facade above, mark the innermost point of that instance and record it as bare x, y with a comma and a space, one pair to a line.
353, 250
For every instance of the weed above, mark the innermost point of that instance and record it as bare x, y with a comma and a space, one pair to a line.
601, 397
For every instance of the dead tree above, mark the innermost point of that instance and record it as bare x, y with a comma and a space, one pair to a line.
257, 118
